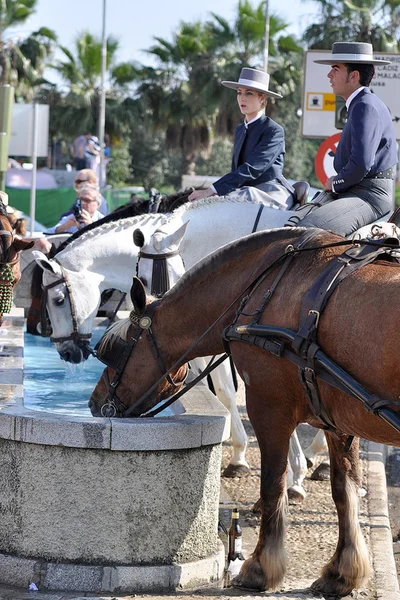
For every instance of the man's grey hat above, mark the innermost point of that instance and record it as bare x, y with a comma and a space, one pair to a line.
252, 79
352, 52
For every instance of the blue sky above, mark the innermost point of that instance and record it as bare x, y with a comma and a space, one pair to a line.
135, 23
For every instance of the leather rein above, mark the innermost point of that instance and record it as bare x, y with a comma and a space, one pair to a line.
117, 358
115, 407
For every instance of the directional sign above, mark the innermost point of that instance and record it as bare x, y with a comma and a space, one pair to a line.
318, 118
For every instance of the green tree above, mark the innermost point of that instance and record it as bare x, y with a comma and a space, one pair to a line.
78, 109
184, 93
374, 21
22, 63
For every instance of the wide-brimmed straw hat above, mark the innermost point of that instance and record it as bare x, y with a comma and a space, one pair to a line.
352, 52
252, 79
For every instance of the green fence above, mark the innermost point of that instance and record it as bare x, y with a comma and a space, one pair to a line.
50, 204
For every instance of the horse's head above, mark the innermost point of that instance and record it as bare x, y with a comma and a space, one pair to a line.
160, 264
10, 272
71, 299
135, 378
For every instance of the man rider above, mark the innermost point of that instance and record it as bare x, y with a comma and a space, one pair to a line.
362, 190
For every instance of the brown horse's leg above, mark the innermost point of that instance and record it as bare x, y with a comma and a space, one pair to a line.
349, 566
267, 565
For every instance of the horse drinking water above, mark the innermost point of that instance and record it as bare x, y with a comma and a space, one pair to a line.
220, 298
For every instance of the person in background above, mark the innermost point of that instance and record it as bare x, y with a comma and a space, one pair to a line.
90, 202
259, 148
78, 149
87, 176
362, 190
92, 153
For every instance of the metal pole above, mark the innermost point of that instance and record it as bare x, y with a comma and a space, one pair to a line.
266, 36
35, 135
102, 117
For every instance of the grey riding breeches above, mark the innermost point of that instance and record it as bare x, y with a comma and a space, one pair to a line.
362, 204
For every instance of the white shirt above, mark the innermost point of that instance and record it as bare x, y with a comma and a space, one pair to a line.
348, 101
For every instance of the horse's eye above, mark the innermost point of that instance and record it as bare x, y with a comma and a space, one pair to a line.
59, 301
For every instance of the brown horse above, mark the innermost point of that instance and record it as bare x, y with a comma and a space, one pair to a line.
10, 272
363, 308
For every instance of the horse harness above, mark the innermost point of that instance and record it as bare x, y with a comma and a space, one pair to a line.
304, 351
117, 358
7, 277
160, 278
76, 336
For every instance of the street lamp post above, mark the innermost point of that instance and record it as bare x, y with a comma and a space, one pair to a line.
102, 116
266, 35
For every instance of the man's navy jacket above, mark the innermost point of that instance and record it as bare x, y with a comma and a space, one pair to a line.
257, 156
367, 145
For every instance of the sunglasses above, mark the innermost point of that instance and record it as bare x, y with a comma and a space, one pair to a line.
78, 181
87, 200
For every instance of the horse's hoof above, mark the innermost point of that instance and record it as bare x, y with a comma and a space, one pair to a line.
251, 577
334, 587
257, 507
310, 463
322, 472
238, 584
235, 471
296, 494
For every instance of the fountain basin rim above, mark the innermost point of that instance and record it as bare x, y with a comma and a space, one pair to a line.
202, 421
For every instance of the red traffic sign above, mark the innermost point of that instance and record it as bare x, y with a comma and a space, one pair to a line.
323, 162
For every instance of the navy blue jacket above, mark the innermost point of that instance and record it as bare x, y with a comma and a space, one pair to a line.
367, 145
257, 156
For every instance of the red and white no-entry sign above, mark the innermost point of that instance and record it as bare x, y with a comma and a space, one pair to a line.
323, 162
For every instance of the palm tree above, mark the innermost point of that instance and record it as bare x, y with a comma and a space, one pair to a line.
374, 21
79, 107
22, 63
184, 92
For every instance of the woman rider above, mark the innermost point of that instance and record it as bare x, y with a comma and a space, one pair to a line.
259, 147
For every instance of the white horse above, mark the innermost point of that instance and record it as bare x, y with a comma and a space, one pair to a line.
105, 258
163, 245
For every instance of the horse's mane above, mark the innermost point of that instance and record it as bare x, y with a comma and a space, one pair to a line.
129, 210
233, 251
214, 261
122, 212
210, 200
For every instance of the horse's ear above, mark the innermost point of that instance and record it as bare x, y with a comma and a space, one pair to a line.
45, 263
138, 296
22, 244
177, 236
138, 238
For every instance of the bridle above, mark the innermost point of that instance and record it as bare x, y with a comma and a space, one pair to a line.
160, 283
75, 336
7, 277
117, 358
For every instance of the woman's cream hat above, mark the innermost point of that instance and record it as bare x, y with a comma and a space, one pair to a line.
252, 79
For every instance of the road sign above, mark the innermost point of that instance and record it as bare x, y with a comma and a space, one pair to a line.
323, 162
22, 130
318, 118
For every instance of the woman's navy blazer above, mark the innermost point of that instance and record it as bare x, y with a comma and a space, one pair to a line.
258, 153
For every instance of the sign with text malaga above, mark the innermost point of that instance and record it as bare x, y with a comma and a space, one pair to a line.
318, 118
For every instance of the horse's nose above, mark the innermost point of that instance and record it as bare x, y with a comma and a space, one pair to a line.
71, 353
